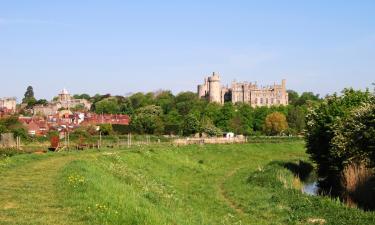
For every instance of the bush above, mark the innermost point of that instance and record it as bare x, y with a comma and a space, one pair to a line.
106, 129
335, 135
275, 124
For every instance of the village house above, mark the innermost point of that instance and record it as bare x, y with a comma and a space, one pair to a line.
8, 105
65, 120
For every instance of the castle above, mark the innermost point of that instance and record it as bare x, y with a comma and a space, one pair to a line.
244, 92
63, 101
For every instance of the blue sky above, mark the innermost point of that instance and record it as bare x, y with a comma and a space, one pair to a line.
118, 47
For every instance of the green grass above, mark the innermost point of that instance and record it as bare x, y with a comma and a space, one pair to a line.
211, 184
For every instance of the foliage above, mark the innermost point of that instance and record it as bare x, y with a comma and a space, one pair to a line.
82, 96
293, 97
275, 124
209, 128
190, 125
12, 125
240, 118
106, 129
296, 119
323, 124
354, 137
148, 120
166, 101
78, 108
108, 105
227, 113
29, 98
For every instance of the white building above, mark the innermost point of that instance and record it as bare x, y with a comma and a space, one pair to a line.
8, 104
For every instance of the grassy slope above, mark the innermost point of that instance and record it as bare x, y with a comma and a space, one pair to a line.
226, 184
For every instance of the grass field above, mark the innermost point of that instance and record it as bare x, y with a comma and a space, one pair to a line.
211, 184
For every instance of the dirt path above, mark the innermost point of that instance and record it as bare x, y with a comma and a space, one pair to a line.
224, 195
29, 195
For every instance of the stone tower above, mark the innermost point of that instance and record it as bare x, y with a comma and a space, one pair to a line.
214, 88
64, 96
203, 89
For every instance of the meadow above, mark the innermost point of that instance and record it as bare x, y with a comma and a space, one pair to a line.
164, 184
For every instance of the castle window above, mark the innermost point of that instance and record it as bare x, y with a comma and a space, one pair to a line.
266, 100
261, 100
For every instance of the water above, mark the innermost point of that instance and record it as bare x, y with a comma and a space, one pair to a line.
311, 188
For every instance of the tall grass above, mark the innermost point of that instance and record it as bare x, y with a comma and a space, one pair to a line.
357, 181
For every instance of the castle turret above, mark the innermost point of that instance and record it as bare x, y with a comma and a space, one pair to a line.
283, 84
201, 91
214, 88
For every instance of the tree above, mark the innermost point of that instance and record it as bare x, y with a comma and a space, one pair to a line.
165, 100
246, 114
126, 107
320, 130
29, 94
172, 122
41, 102
82, 96
227, 113
307, 97
190, 125
296, 119
354, 139
260, 114
209, 128
185, 102
148, 120
108, 105
29, 98
139, 99
106, 129
212, 111
293, 97
275, 124
78, 108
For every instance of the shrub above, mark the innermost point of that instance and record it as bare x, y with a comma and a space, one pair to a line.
330, 142
275, 124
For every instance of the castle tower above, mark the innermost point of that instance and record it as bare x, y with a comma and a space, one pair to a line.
214, 88
64, 96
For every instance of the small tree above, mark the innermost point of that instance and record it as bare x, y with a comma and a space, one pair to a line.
275, 124
190, 125
148, 120
29, 98
106, 129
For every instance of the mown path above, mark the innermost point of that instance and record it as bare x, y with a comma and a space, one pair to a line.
29, 194
224, 195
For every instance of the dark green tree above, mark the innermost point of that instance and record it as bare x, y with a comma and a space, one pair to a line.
165, 100
320, 124
148, 120
293, 97
108, 105
227, 112
190, 125
296, 119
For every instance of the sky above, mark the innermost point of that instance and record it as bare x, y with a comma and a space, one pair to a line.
120, 47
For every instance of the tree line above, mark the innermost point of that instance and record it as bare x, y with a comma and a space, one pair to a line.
185, 114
